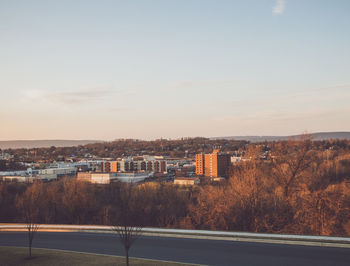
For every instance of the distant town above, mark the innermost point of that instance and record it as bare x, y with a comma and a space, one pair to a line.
28, 165
187, 161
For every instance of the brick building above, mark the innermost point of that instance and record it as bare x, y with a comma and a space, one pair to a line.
214, 164
134, 165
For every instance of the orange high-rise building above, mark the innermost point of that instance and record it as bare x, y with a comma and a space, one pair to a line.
200, 164
215, 164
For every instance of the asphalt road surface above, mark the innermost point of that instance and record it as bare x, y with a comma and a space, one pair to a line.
207, 252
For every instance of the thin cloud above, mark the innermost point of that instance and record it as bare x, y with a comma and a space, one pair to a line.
279, 7
77, 97
70, 97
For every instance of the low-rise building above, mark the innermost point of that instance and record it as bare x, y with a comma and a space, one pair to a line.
84, 176
55, 173
47, 174
186, 181
235, 159
103, 178
16, 178
107, 178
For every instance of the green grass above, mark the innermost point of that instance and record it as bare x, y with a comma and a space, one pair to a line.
19, 256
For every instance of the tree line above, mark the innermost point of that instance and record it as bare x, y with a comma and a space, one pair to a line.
126, 147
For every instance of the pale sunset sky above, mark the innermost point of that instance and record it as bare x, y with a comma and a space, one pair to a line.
159, 68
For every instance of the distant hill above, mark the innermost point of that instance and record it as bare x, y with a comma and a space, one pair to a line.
316, 136
16, 144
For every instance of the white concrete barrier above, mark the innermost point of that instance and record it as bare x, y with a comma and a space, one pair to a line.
331, 241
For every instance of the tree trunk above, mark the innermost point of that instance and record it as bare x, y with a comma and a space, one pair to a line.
30, 243
127, 256
30, 248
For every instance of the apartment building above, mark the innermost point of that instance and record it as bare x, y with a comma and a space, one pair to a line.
139, 164
214, 164
200, 164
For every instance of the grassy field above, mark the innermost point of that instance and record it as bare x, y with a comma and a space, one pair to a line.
19, 256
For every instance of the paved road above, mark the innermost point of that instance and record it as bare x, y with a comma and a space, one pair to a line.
208, 252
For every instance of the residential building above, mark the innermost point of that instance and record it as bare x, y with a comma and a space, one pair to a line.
214, 164
137, 164
200, 164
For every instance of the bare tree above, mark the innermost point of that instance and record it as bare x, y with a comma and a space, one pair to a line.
128, 234
323, 212
290, 161
27, 203
128, 224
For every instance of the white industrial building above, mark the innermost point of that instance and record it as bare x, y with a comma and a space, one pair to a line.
107, 178
186, 181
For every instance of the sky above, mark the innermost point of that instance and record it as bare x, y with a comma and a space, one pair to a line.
152, 69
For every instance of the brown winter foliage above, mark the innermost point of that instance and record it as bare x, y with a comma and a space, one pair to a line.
300, 187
